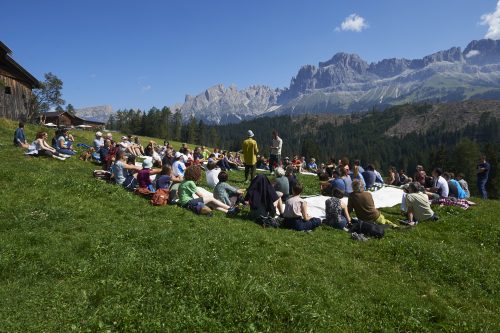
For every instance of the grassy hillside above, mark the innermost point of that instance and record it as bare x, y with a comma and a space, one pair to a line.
77, 254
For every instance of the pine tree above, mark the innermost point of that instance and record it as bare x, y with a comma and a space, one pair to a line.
177, 125
192, 136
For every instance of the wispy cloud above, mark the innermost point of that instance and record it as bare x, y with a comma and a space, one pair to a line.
146, 87
492, 20
472, 53
353, 22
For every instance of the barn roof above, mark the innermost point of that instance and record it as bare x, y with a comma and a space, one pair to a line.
11, 66
56, 114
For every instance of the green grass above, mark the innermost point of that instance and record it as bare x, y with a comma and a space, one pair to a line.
77, 254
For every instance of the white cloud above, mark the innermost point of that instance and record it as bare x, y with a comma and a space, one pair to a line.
353, 22
472, 53
146, 88
492, 20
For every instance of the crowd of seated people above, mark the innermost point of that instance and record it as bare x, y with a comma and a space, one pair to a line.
162, 167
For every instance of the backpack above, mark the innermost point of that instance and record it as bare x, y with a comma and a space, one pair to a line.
368, 229
160, 197
144, 192
269, 222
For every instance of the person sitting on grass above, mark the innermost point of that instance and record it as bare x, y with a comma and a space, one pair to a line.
327, 186
166, 178
456, 190
312, 166
98, 141
120, 168
144, 175
20, 137
440, 187
282, 186
464, 184
418, 205
263, 198
44, 149
337, 215
362, 204
292, 179
178, 167
212, 173
226, 193
296, 214
63, 144
187, 190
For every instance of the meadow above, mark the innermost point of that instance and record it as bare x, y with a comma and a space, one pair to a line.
79, 254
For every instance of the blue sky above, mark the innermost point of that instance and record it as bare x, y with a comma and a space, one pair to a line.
139, 54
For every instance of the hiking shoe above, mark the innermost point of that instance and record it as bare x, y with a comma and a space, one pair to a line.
233, 211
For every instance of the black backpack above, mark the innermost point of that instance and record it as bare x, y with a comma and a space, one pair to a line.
368, 229
269, 222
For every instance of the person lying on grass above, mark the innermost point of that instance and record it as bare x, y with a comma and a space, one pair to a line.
362, 204
144, 175
120, 168
226, 193
337, 215
44, 149
166, 178
296, 214
188, 189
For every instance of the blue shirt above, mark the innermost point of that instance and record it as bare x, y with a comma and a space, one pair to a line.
483, 175
339, 183
163, 182
19, 136
369, 177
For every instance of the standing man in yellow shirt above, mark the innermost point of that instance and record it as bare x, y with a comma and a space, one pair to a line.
250, 151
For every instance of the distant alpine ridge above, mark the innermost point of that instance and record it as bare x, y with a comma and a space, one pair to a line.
95, 113
346, 83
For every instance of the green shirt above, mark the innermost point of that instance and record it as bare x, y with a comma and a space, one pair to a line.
222, 191
186, 191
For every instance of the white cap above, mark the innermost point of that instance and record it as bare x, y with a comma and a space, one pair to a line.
98, 133
147, 163
250, 133
177, 154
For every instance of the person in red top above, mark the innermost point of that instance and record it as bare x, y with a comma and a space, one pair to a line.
144, 175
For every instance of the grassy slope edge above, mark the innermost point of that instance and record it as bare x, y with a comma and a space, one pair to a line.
83, 255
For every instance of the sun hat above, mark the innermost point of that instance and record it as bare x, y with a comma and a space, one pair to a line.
177, 154
147, 163
98, 133
250, 133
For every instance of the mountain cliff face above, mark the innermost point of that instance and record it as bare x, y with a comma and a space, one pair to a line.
346, 83
97, 113
226, 105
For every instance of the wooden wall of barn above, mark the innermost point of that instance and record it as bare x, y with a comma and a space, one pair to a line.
13, 105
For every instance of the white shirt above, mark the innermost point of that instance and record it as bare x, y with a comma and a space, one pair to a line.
213, 177
178, 168
442, 186
277, 143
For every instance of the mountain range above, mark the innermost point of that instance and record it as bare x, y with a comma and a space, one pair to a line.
96, 113
346, 84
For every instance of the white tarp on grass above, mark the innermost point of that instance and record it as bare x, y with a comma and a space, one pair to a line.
385, 197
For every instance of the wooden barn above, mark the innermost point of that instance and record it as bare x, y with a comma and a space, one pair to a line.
16, 86
66, 119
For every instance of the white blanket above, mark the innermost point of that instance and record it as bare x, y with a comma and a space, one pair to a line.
385, 197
